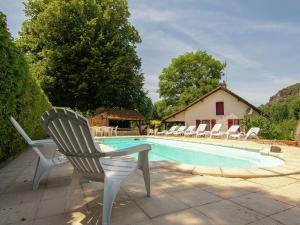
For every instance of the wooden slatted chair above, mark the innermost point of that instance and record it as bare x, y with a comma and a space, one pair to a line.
43, 164
71, 133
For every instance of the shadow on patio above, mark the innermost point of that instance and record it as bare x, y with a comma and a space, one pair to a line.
177, 198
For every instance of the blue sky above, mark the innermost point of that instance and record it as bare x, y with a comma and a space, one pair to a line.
258, 39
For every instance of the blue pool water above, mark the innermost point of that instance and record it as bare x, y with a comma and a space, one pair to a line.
196, 153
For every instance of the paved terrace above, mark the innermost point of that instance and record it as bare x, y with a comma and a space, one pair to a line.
177, 198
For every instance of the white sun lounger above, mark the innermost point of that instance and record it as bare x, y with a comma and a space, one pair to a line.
172, 130
189, 130
201, 130
215, 131
232, 130
252, 133
43, 164
180, 131
71, 133
165, 131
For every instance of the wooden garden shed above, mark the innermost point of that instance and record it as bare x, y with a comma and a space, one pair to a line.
116, 117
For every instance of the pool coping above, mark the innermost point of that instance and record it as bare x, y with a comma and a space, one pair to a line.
291, 164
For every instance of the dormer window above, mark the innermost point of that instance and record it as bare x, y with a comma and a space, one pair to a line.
219, 108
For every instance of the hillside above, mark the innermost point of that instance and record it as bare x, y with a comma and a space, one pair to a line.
285, 94
283, 112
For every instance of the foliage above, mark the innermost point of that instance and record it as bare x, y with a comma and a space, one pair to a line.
84, 53
188, 77
280, 120
155, 123
20, 96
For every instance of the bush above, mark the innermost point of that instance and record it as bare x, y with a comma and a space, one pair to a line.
270, 129
20, 96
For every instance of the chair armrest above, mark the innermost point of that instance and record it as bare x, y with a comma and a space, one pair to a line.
38, 143
128, 151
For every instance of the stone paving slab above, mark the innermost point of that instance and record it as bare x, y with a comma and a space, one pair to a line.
177, 198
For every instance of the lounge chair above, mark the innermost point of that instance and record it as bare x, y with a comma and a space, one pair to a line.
252, 133
171, 131
215, 131
201, 130
180, 131
189, 130
165, 131
71, 133
234, 129
43, 164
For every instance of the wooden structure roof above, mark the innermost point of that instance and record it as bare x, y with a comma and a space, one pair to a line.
119, 114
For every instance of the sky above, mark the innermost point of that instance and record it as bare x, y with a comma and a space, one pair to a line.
259, 40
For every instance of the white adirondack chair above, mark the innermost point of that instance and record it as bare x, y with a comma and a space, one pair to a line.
189, 130
71, 133
232, 130
43, 164
180, 131
215, 131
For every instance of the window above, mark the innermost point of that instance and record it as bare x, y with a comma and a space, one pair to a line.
231, 122
219, 108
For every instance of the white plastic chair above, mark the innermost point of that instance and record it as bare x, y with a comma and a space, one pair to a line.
232, 130
215, 131
172, 130
71, 133
43, 164
201, 130
252, 133
180, 131
189, 130
115, 131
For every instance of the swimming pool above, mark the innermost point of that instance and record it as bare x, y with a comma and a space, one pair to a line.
197, 154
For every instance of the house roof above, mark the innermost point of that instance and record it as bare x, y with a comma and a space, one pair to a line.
119, 114
210, 93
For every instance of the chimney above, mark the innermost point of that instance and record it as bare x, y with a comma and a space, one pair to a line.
223, 84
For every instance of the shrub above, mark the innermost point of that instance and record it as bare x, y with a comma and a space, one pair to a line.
270, 129
20, 96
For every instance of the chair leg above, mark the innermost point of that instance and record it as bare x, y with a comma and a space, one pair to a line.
144, 166
146, 174
41, 168
111, 188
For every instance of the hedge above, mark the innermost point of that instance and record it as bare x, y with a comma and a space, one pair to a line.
20, 96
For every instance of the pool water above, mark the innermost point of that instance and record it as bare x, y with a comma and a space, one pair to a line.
196, 153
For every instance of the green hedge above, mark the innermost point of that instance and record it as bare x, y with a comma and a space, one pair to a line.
20, 96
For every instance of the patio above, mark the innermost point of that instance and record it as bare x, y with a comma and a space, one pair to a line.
177, 198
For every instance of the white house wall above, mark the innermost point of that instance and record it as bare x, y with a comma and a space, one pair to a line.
206, 110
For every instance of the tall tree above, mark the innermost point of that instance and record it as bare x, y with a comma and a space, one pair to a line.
188, 77
84, 52
20, 96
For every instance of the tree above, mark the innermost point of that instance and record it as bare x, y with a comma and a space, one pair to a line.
188, 77
20, 96
84, 53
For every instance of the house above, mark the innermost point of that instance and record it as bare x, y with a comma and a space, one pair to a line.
128, 121
217, 106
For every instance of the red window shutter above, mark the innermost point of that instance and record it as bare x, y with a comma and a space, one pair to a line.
230, 122
219, 108
213, 123
197, 123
